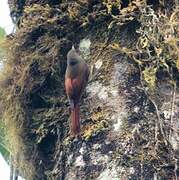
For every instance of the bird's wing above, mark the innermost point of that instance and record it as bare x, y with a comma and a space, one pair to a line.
74, 88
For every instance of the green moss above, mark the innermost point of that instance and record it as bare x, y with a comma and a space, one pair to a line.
149, 75
94, 130
36, 15
36, 61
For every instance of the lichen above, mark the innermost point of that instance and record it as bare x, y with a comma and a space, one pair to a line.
131, 48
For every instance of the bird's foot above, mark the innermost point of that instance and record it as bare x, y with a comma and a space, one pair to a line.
75, 136
72, 106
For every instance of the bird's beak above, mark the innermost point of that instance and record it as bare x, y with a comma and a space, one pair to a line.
73, 48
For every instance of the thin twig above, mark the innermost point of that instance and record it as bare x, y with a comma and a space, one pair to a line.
159, 123
11, 168
176, 168
172, 111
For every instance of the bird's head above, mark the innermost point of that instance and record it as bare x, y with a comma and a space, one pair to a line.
73, 57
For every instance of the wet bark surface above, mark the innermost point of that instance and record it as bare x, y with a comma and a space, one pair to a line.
119, 117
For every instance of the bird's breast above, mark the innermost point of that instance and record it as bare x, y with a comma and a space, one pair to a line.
73, 87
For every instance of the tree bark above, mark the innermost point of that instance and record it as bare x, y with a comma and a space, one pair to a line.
125, 112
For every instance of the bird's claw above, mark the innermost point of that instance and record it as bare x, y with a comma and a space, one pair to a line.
72, 106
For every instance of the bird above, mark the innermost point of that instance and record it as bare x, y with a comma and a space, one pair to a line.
76, 79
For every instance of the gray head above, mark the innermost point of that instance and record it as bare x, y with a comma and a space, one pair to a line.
73, 57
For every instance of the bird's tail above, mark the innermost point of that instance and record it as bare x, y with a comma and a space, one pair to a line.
75, 120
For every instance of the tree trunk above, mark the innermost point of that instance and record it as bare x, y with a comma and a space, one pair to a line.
130, 106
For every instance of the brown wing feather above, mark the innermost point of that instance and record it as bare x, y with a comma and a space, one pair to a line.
74, 88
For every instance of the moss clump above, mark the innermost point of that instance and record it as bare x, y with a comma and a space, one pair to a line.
35, 108
31, 81
32, 13
93, 130
149, 75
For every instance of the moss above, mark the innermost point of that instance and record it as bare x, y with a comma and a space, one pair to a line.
32, 91
149, 75
92, 130
31, 15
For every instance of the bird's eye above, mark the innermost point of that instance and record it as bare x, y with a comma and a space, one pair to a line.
73, 63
